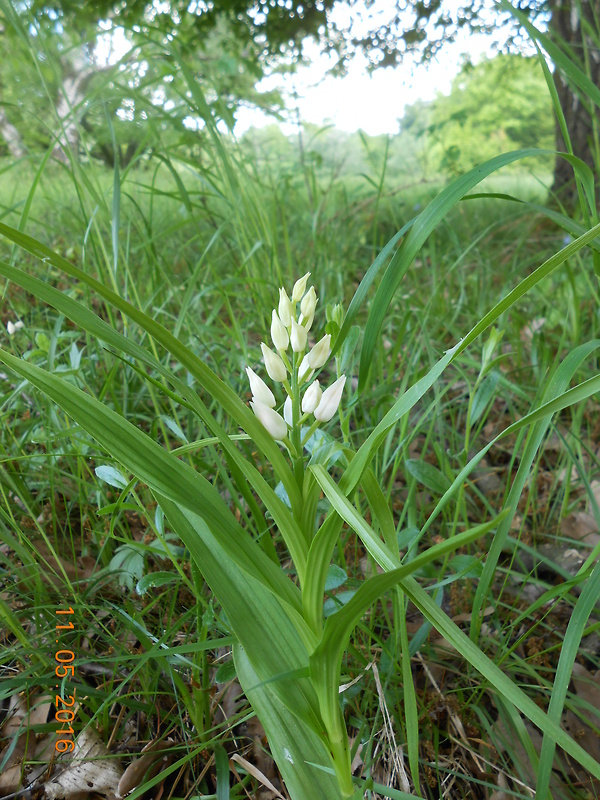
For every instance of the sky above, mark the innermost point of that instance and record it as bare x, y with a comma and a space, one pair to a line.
373, 103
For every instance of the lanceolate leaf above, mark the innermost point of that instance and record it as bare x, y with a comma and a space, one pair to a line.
293, 745
583, 608
210, 382
450, 631
162, 471
261, 604
327, 658
416, 237
406, 401
267, 630
555, 398
90, 322
495, 676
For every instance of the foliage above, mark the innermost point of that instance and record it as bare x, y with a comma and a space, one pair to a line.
133, 470
177, 383
498, 105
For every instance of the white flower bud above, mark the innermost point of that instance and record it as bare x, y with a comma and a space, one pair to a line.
304, 370
330, 400
299, 288
288, 412
260, 390
307, 307
312, 398
279, 333
273, 364
298, 337
286, 309
320, 353
13, 327
272, 421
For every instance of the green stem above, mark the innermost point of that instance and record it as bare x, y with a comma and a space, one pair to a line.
310, 431
295, 434
340, 752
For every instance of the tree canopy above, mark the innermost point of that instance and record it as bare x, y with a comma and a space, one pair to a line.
227, 46
498, 105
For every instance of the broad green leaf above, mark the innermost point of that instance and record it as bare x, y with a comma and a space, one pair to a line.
466, 566
128, 563
174, 428
225, 673
294, 746
326, 660
407, 400
498, 680
336, 577
333, 604
556, 398
428, 475
319, 556
272, 636
154, 579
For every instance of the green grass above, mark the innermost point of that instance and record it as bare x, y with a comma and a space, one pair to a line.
201, 248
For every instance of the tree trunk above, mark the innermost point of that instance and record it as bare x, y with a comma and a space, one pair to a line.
581, 115
11, 136
69, 103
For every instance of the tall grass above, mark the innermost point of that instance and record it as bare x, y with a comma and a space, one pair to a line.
152, 292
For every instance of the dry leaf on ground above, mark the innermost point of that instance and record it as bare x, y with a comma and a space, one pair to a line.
91, 769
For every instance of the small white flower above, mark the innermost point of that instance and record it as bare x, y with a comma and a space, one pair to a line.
304, 370
271, 420
330, 400
288, 411
320, 353
260, 390
273, 364
286, 309
298, 337
279, 333
307, 307
299, 288
13, 327
312, 398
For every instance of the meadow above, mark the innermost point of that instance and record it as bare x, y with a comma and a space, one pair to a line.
467, 329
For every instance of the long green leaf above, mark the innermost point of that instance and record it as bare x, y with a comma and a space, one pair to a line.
405, 402
588, 599
294, 746
326, 660
416, 237
162, 471
209, 382
89, 321
264, 627
556, 398
566, 64
248, 586
502, 684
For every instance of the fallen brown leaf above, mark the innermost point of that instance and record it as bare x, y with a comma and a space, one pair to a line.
91, 769
147, 766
